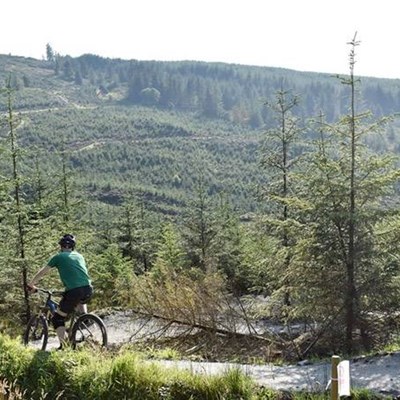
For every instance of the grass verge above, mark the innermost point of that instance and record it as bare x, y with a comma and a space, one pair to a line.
84, 375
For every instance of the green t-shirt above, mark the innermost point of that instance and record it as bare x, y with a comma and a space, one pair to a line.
72, 269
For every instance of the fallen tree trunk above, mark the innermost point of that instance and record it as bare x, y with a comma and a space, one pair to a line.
206, 328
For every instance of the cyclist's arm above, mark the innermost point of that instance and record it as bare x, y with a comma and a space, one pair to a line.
38, 276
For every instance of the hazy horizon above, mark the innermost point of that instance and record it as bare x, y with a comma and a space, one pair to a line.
311, 35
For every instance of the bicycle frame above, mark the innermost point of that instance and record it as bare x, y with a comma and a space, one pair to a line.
46, 312
83, 328
50, 307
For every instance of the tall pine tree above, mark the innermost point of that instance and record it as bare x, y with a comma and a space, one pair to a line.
344, 274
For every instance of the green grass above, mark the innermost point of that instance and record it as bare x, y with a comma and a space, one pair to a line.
162, 354
393, 346
104, 376
84, 375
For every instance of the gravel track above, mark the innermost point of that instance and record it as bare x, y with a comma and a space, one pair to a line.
380, 373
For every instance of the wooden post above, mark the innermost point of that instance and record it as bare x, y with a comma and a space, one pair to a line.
334, 378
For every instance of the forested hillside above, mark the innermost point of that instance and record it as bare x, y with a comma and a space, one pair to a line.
215, 177
152, 127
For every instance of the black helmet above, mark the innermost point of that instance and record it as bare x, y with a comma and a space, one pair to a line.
67, 240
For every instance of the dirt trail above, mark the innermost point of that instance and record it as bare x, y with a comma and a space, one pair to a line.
380, 373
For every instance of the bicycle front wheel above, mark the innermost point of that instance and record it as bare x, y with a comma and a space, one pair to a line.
37, 332
88, 331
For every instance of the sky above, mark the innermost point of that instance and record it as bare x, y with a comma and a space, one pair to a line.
304, 35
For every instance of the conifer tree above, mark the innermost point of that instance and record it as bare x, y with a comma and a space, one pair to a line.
200, 228
280, 154
344, 273
7, 253
17, 208
170, 254
227, 245
50, 56
69, 208
137, 235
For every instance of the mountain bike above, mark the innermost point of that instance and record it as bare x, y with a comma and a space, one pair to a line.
84, 331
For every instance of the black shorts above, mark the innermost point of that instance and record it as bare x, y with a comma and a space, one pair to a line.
71, 298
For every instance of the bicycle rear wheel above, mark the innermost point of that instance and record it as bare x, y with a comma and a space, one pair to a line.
88, 331
37, 332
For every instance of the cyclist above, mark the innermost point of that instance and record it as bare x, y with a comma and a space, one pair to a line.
74, 276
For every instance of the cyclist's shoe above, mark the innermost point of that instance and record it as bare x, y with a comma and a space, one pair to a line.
63, 346
59, 348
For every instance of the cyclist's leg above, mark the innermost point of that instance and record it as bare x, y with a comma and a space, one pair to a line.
85, 293
58, 321
68, 303
81, 308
